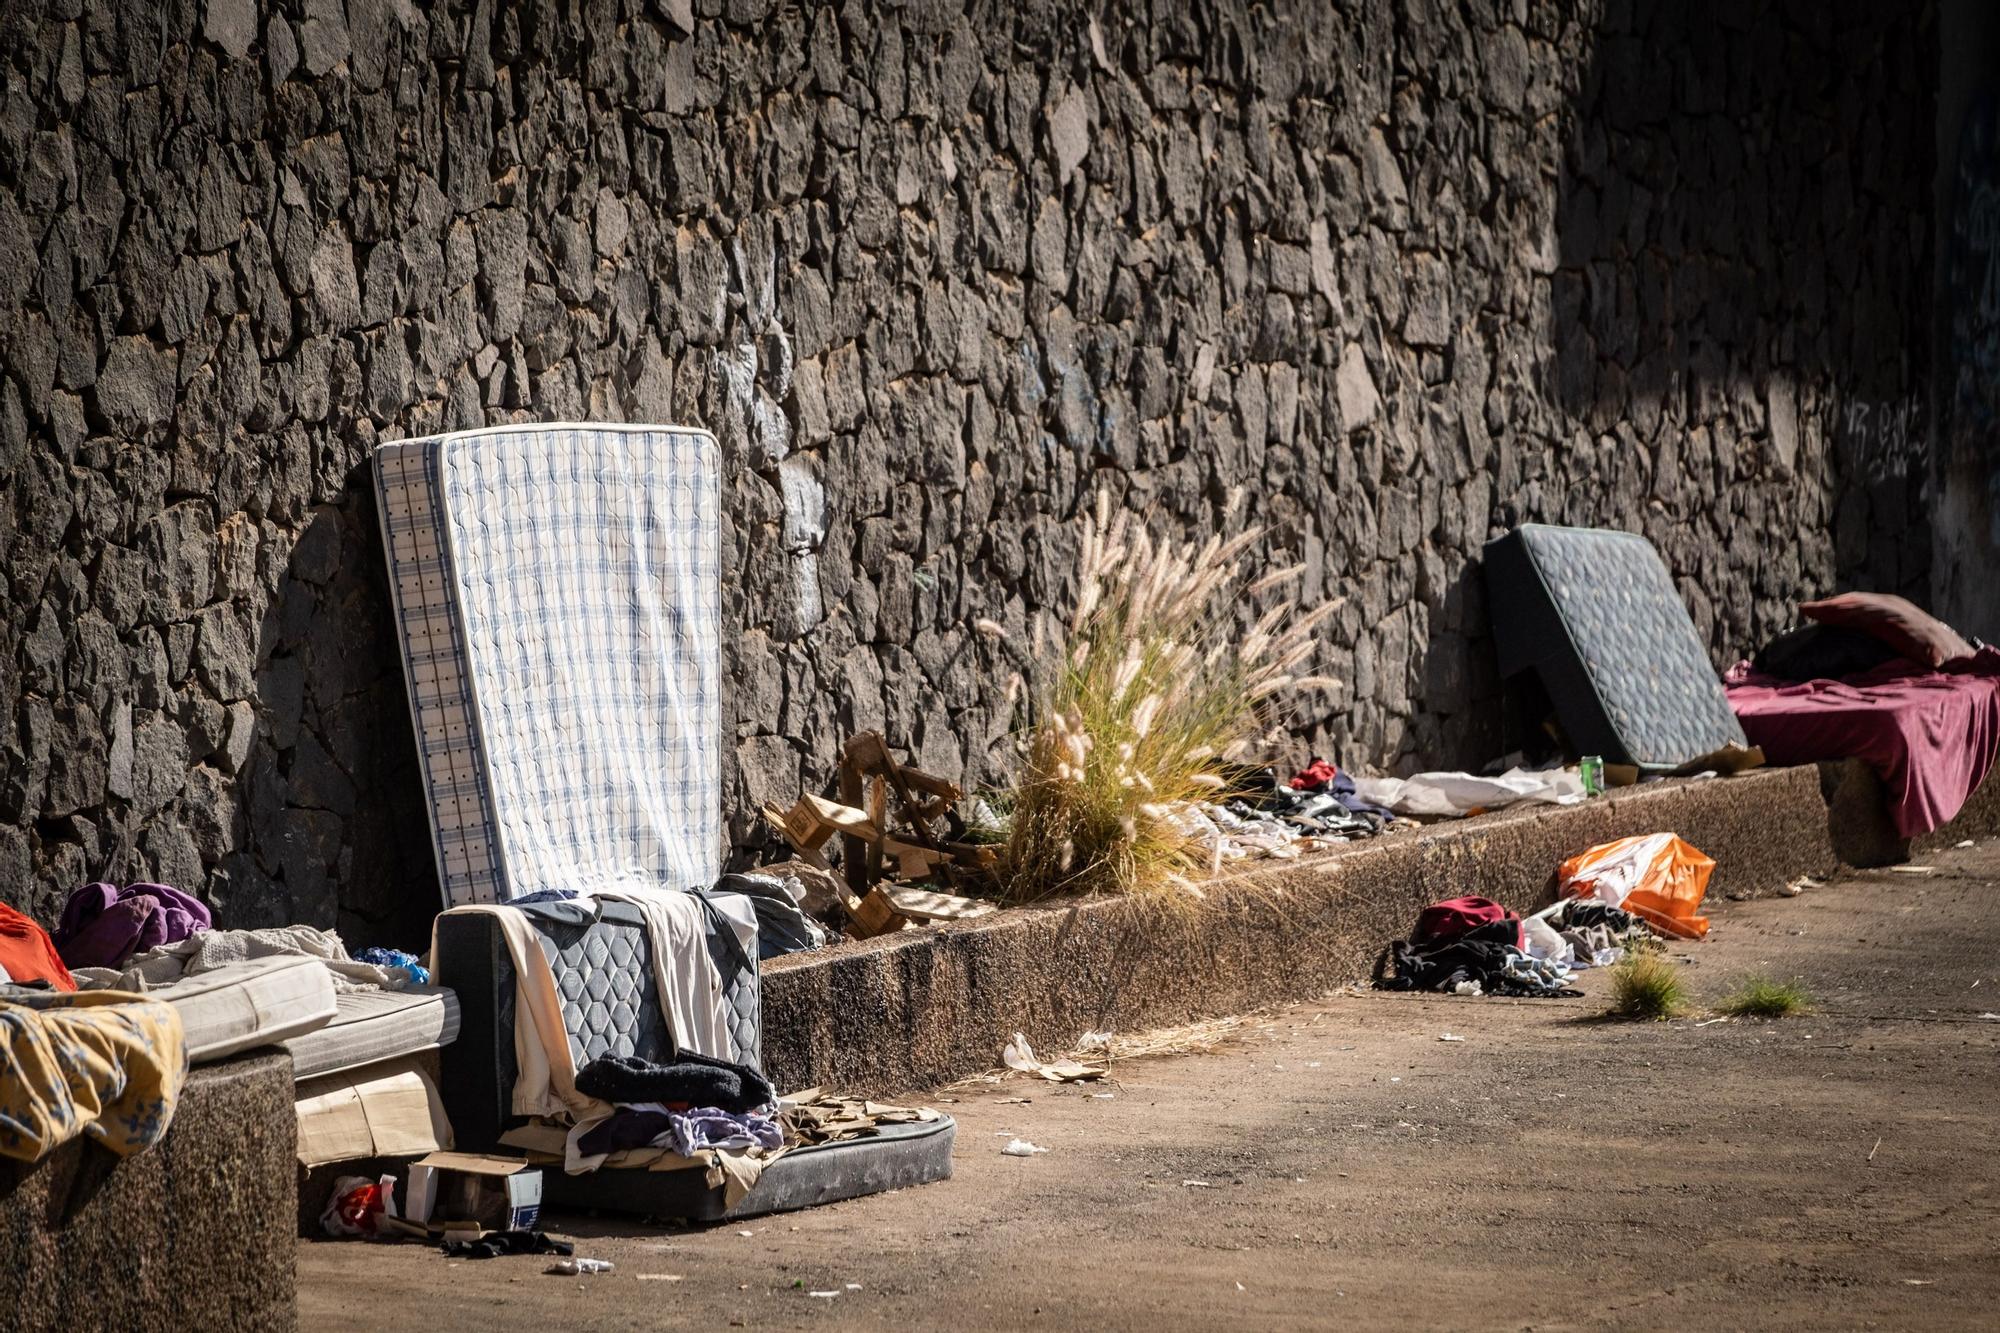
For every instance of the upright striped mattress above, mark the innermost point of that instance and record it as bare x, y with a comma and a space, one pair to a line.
558, 593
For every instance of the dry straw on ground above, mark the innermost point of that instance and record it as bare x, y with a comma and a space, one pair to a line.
1159, 691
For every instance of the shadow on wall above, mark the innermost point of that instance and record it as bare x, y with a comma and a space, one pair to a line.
1743, 187
331, 794
1967, 475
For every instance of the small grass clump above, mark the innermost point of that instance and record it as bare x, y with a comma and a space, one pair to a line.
1156, 692
1762, 997
1648, 986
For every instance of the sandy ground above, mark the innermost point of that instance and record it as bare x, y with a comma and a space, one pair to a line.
1551, 1170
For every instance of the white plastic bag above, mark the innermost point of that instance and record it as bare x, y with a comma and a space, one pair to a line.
1460, 793
1540, 940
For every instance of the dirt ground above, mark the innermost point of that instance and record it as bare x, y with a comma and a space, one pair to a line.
1338, 1161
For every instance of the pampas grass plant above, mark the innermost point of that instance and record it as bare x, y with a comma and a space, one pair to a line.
1158, 686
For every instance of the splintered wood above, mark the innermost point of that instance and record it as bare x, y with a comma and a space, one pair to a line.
897, 852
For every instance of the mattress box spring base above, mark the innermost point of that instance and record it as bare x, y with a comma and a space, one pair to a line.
896, 1158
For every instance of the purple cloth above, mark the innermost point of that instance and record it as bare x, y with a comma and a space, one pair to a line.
1342, 790
710, 1127
686, 1132
103, 925
1932, 736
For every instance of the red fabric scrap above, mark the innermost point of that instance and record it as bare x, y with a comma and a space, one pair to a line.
27, 952
1314, 776
1447, 920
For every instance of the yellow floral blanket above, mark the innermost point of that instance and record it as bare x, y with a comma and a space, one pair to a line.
103, 1063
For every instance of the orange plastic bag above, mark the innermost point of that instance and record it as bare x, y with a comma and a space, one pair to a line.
1655, 877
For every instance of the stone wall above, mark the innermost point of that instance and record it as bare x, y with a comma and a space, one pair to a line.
1405, 272
1965, 417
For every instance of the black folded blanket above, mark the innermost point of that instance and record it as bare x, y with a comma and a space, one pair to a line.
696, 1080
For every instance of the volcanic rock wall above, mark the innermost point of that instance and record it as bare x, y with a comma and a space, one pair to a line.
1405, 273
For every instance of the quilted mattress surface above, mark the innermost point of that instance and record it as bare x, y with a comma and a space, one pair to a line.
259, 1002
1595, 611
558, 589
601, 958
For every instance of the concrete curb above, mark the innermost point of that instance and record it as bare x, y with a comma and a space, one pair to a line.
196, 1232
924, 1007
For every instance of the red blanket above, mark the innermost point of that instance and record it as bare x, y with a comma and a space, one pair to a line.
1930, 735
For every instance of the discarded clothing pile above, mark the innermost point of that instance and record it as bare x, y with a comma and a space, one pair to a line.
214, 950
1580, 933
1268, 818
102, 925
688, 1080
783, 924
1470, 946
687, 1106
1312, 786
1235, 833
101, 1064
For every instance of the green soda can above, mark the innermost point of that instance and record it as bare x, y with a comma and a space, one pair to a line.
1593, 775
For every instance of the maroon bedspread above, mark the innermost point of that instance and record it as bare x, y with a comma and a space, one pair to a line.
1930, 735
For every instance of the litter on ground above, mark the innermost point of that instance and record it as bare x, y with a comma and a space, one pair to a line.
1021, 1056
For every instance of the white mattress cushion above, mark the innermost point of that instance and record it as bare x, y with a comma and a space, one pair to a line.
560, 593
374, 1025
260, 1002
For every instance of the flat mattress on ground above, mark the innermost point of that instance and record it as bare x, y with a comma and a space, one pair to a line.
1931, 736
558, 591
369, 1026
1594, 613
260, 1002
895, 1157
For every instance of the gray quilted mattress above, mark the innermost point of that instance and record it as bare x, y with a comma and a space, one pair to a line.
601, 957
1595, 615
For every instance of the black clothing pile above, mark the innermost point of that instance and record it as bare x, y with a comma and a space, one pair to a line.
1319, 802
689, 1080
497, 1243
1483, 961
1469, 946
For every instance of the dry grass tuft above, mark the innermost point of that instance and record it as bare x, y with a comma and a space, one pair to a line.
1157, 687
1647, 985
1762, 997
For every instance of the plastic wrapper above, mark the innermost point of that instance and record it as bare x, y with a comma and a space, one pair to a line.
356, 1204
1656, 877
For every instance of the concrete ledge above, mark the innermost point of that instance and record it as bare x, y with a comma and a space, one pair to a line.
196, 1233
1857, 813
924, 1007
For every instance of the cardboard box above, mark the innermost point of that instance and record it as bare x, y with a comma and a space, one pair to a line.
382, 1110
494, 1193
